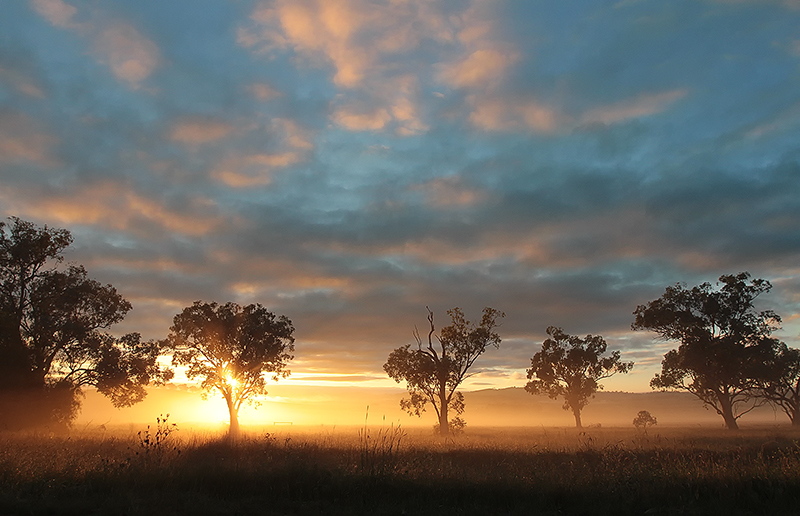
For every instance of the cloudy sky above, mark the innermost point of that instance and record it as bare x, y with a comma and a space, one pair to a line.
348, 162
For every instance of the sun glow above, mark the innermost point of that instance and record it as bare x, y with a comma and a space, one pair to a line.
231, 381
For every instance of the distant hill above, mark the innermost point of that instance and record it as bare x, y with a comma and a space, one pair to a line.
515, 407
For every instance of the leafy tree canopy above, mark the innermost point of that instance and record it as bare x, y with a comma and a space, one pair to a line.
725, 344
782, 385
433, 371
53, 340
230, 348
570, 367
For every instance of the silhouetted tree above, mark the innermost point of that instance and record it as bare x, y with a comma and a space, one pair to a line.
782, 387
433, 372
725, 345
52, 342
231, 347
570, 367
644, 419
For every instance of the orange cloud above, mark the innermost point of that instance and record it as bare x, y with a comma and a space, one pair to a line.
449, 192
263, 91
197, 131
318, 28
57, 12
485, 58
643, 105
131, 56
292, 134
494, 113
22, 140
480, 68
119, 207
355, 37
252, 170
353, 120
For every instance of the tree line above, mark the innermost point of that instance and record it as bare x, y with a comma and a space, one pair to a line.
54, 340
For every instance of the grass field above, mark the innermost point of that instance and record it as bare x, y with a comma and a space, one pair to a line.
386, 470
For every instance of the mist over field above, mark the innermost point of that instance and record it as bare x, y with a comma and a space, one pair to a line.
348, 406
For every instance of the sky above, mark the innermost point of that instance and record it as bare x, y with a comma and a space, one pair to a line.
347, 163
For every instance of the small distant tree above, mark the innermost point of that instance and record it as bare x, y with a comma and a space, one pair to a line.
725, 345
643, 419
782, 387
231, 348
433, 371
571, 367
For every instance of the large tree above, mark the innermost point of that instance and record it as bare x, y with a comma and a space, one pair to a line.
782, 386
725, 344
52, 338
230, 348
433, 371
570, 367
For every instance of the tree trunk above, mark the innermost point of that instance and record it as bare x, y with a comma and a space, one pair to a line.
727, 411
795, 416
444, 425
233, 430
577, 413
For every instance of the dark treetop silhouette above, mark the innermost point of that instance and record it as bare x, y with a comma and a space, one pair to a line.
725, 347
782, 386
433, 372
570, 367
51, 343
231, 347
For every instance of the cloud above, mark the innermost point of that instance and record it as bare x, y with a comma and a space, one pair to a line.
353, 120
118, 206
131, 56
509, 113
481, 68
292, 134
263, 91
450, 192
496, 113
22, 140
641, 106
319, 29
484, 56
782, 121
359, 40
252, 170
789, 4
57, 12
198, 131
21, 82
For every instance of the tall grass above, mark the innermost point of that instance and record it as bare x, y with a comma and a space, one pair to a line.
379, 454
366, 471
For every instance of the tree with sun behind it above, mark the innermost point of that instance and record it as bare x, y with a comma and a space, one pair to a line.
231, 347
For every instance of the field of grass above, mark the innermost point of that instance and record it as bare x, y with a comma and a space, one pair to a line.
385, 470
